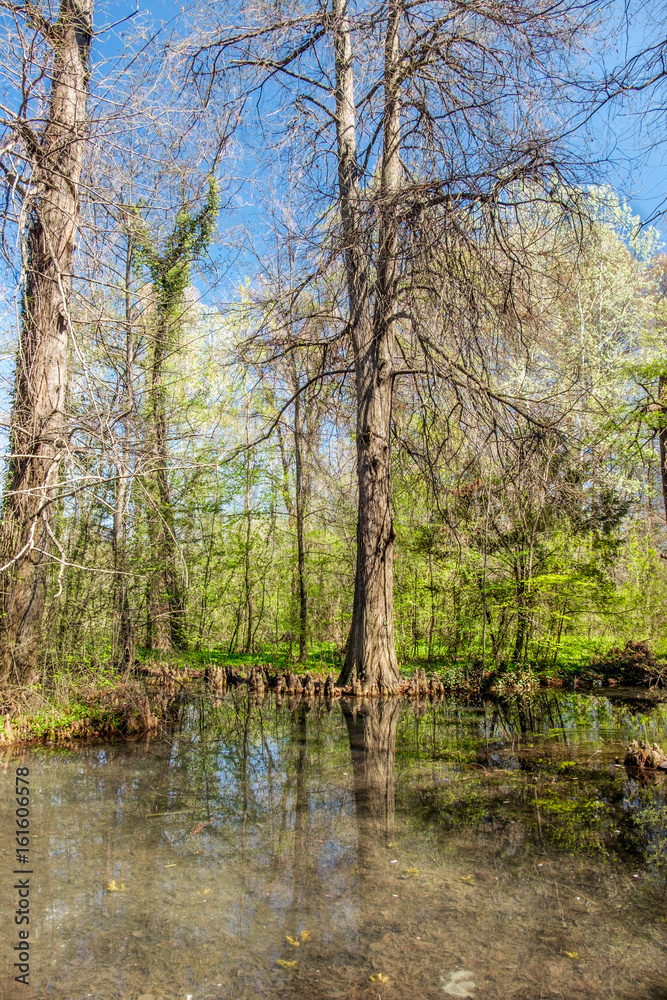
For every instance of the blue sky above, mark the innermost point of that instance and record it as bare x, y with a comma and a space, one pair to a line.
635, 164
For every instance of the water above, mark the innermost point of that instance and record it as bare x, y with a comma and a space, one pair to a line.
492, 851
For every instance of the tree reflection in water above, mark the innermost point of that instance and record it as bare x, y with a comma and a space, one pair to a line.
268, 853
371, 728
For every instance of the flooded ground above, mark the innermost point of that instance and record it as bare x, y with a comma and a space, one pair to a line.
492, 851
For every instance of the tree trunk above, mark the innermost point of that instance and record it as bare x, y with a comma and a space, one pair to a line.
371, 654
247, 554
301, 497
521, 617
125, 638
38, 432
166, 551
662, 438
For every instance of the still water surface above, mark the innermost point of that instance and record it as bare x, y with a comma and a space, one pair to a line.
492, 851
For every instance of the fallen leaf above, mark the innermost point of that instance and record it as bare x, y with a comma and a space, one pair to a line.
286, 965
379, 978
292, 941
199, 826
305, 936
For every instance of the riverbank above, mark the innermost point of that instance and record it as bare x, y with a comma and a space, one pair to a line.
137, 703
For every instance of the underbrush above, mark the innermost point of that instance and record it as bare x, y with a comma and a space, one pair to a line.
77, 704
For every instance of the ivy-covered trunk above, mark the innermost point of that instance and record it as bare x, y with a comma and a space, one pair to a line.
170, 275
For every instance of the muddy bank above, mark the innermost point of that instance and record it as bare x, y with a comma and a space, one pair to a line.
141, 703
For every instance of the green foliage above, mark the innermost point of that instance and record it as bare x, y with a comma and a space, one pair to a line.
522, 547
188, 242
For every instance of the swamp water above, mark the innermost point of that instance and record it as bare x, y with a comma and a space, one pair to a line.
491, 851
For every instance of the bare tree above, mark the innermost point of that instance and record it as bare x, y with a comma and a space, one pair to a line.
38, 433
438, 122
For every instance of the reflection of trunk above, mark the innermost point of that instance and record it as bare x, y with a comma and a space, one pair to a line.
38, 434
371, 653
301, 806
305, 864
371, 728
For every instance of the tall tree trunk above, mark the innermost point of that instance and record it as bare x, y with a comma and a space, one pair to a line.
38, 432
301, 497
166, 556
371, 654
170, 275
521, 616
662, 438
124, 631
247, 554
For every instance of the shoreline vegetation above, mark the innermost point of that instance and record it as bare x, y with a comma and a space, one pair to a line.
136, 703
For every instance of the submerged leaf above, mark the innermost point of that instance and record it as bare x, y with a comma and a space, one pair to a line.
459, 984
459, 989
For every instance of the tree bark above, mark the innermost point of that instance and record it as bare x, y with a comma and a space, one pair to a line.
124, 631
371, 654
247, 553
170, 275
38, 431
521, 616
662, 438
301, 499
169, 582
